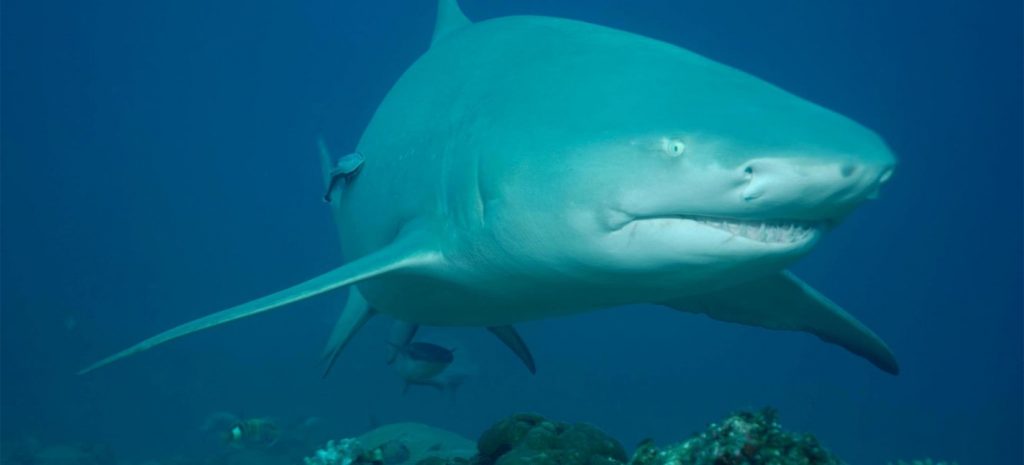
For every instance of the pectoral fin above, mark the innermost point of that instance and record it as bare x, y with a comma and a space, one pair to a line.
784, 302
407, 252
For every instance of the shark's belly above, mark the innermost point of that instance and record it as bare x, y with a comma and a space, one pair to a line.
431, 301
479, 298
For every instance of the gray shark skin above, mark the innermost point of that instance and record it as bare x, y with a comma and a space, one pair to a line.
532, 167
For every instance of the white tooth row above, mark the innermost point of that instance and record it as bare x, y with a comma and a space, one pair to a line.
763, 231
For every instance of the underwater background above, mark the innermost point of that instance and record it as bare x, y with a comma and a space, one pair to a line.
159, 163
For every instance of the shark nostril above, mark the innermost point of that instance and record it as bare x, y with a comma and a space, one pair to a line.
848, 170
751, 189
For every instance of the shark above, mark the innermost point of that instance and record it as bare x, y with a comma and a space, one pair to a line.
531, 167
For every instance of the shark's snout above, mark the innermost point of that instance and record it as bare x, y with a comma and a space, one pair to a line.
810, 188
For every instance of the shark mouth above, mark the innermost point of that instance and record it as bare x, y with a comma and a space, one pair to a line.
785, 232
767, 231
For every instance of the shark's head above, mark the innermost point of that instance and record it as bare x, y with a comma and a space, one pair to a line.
690, 195
698, 170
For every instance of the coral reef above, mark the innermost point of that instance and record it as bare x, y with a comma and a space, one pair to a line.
744, 438
523, 439
530, 439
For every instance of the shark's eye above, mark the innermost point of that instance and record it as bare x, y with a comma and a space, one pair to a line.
674, 147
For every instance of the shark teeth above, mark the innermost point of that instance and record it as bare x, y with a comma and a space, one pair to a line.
768, 231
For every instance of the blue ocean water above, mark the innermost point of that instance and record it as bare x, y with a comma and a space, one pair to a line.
158, 163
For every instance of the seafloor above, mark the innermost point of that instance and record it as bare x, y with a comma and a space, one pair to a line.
743, 438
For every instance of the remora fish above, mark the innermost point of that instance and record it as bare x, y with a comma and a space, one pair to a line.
530, 167
425, 364
420, 361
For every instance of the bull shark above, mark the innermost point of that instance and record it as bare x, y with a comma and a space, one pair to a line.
531, 167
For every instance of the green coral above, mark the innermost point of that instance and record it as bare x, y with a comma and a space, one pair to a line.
530, 439
744, 438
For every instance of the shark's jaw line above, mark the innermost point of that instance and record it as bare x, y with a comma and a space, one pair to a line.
766, 231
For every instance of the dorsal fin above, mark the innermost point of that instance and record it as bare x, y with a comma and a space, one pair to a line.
449, 18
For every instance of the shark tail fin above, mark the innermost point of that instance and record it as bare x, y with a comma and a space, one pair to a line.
449, 18
405, 253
